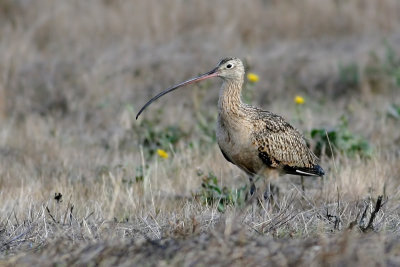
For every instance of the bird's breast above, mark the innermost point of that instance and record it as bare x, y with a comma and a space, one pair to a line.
234, 139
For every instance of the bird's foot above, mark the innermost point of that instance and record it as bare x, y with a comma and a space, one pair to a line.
271, 194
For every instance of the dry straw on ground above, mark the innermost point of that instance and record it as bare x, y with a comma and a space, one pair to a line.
81, 182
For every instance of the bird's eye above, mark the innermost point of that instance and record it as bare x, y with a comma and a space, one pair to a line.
229, 66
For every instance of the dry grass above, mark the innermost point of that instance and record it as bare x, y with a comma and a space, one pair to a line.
73, 73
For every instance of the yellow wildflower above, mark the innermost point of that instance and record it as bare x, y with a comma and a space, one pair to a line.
162, 153
299, 100
252, 77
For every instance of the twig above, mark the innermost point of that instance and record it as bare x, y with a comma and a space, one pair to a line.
89, 215
378, 206
48, 211
337, 219
363, 216
70, 215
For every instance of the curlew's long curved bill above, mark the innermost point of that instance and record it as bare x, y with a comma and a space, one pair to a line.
204, 76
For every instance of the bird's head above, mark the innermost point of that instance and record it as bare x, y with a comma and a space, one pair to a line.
229, 69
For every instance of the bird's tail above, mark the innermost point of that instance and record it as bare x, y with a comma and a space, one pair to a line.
316, 170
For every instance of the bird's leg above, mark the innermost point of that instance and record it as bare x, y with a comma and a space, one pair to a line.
302, 183
252, 186
251, 195
267, 195
252, 191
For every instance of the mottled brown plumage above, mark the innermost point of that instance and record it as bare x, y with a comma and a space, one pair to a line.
257, 141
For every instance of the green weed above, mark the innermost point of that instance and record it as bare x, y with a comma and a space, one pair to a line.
342, 140
139, 177
381, 73
211, 192
392, 64
349, 76
153, 138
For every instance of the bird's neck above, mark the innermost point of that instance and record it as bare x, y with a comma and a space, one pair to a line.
230, 103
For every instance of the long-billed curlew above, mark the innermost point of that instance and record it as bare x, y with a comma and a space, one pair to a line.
257, 141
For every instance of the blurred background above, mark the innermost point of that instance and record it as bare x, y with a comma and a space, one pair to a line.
74, 73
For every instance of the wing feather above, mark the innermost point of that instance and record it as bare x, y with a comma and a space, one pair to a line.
282, 144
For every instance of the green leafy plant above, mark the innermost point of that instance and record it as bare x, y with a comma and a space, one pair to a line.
381, 73
211, 192
349, 76
205, 124
152, 137
342, 140
139, 177
392, 64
